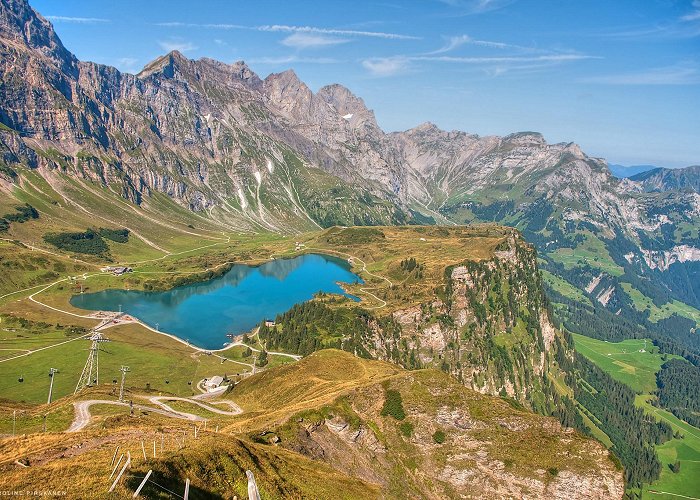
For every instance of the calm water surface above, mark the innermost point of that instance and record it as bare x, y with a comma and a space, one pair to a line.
203, 313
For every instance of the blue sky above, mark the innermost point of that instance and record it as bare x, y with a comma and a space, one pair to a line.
619, 77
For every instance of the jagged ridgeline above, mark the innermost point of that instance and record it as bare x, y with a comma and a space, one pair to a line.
97, 165
214, 144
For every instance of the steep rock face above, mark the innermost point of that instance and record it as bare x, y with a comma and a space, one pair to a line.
273, 155
490, 328
207, 134
480, 450
667, 179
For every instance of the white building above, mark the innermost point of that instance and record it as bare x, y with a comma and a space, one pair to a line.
213, 383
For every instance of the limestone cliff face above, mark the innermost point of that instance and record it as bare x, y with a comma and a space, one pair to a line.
215, 137
490, 329
270, 154
211, 136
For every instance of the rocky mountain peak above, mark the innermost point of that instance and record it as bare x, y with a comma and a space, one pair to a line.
285, 79
526, 139
21, 25
288, 93
243, 71
427, 127
347, 104
168, 65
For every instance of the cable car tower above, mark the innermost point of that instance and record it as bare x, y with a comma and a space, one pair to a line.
91, 371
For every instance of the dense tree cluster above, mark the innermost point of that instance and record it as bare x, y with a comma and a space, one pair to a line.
411, 266
669, 346
313, 325
89, 242
116, 235
679, 390
22, 213
632, 432
393, 405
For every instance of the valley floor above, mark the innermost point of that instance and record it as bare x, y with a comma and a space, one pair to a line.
635, 363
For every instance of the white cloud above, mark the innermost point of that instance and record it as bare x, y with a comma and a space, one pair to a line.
293, 60
80, 20
455, 42
494, 66
466, 7
386, 66
329, 31
452, 43
551, 58
283, 28
127, 64
671, 75
695, 15
311, 41
170, 45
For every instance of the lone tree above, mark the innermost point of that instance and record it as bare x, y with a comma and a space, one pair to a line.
262, 358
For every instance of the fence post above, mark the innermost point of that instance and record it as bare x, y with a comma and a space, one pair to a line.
253, 493
138, 490
116, 466
114, 457
126, 464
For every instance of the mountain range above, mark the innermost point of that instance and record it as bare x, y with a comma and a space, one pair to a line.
248, 154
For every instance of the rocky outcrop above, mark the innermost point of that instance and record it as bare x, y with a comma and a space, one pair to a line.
452, 443
490, 329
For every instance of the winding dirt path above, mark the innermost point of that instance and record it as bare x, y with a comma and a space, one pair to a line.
82, 412
83, 416
158, 400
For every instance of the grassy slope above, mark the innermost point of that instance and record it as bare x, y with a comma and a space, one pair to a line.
643, 303
638, 370
333, 382
624, 360
435, 248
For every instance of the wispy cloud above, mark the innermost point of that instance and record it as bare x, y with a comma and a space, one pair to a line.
386, 66
79, 20
695, 14
180, 46
312, 41
293, 60
468, 7
685, 26
493, 66
551, 58
283, 28
680, 74
454, 42
127, 64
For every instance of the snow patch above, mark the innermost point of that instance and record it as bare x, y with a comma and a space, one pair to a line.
270, 166
348, 116
258, 177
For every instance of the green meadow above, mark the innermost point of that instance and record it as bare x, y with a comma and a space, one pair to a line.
635, 362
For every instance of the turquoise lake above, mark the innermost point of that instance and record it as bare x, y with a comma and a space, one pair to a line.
203, 313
